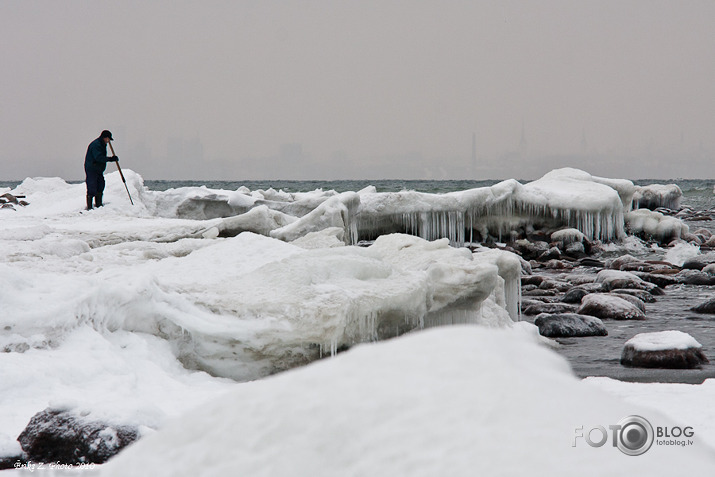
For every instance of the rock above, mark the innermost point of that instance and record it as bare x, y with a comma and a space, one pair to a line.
695, 277
558, 265
664, 349
574, 295
591, 262
637, 302
710, 269
617, 263
705, 307
657, 279
607, 306
538, 308
564, 325
61, 435
554, 285
540, 292
575, 250
615, 279
642, 295
551, 254
532, 280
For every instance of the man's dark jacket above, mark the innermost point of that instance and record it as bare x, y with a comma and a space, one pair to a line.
96, 159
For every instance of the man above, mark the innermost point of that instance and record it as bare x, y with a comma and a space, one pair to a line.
95, 162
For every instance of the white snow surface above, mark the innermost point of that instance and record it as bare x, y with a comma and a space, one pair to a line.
457, 401
134, 315
662, 340
680, 252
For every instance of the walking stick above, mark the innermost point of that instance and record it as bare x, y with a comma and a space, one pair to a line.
121, 175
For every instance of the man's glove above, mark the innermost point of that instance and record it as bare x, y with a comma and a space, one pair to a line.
114, 158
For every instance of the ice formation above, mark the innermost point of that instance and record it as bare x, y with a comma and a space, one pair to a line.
655, 225
657, 195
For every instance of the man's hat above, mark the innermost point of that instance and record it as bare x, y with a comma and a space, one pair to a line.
108, 134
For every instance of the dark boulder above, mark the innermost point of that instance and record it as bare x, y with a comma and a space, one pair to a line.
574, 295
538, 308
705, 307
690, 358
642, 295
63, 436
565, 325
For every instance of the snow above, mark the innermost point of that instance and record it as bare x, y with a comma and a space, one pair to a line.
662, 340
686, 404
455, 401
140, 315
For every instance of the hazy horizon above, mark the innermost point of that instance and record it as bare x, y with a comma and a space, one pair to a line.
330, 90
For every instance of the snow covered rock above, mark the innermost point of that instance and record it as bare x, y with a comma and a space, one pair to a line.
607, 306
705, 307
615, 279
654, 225
663, 349
61, 435
657, 195
564, 325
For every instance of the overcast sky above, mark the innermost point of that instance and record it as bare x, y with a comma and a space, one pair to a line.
359, 89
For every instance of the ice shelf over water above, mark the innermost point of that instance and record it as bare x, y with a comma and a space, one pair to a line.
562, 198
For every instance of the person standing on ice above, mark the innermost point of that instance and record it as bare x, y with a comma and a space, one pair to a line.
95, 162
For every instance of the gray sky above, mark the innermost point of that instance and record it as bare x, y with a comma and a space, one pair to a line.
359, 89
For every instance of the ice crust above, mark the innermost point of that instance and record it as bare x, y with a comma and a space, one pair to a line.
655, 225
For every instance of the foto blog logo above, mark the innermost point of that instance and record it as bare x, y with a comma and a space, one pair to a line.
633, 435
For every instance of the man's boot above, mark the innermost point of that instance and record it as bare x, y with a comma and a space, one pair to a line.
98, 200
89, 202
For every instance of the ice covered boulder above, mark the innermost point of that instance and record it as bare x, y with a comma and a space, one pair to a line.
707, 306
699, 261
663, 349
657, 195
259, 220
67, 437
654, 225
565, 325
605, 306
567, 236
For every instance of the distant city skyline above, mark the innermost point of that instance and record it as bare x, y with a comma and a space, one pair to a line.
340, 89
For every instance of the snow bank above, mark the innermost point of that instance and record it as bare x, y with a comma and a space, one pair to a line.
655, 225
451, 401
657, 195
662, 340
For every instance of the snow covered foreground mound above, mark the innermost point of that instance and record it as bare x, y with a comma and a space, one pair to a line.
458, 401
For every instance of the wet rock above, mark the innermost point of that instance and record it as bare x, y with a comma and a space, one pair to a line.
664, 349
530, 250
635, 301
642, 295
606, 306
538, 308
699, 262
558, 265
591, 262
657, 279
551, 254
575, 250
705, 307
695, 277
64, 436
616, 279
532, 280
540, 292
619, 262
554, 285
574, 295
564, 325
